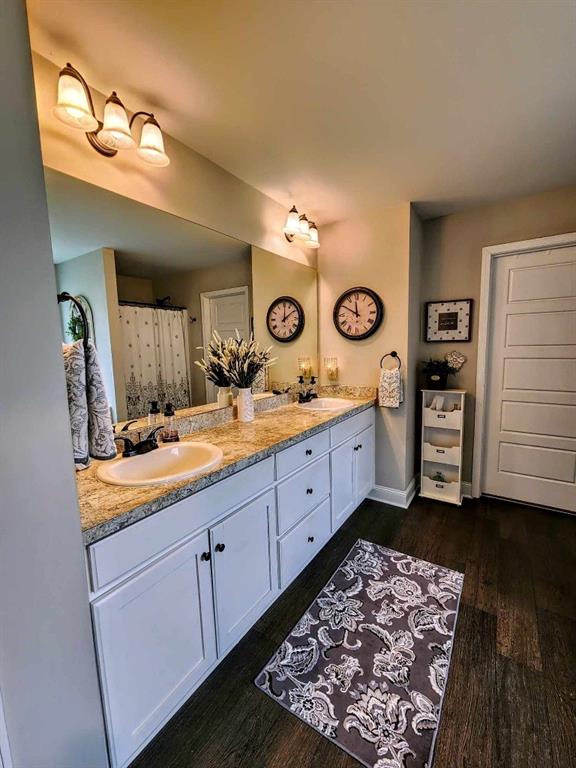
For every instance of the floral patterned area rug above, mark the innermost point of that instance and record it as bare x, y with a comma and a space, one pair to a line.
367, 664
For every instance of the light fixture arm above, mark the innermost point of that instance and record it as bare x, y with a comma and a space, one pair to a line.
149, 115
92, 136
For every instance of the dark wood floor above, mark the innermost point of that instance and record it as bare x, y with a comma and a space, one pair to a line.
511, 696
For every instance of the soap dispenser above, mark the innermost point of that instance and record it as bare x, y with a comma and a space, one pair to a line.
154, 417
170, 433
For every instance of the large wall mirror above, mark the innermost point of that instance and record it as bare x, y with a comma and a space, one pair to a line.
155, 286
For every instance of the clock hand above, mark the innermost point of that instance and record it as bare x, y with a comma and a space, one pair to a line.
354, 312
356, 305
288, 315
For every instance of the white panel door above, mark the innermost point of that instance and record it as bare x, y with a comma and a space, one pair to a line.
530, 445
244, 573
156, 639
224, 311
343, 489
365, 460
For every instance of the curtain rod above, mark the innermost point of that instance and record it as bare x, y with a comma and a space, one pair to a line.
145, 304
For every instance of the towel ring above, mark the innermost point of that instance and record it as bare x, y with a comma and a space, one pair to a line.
393, 354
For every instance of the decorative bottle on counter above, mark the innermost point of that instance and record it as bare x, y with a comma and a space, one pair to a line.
154, 416
225, 397
170, 433
245, 404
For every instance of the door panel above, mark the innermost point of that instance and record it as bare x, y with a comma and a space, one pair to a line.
244, 574
530, 445
364, 464
156, 639
343, 490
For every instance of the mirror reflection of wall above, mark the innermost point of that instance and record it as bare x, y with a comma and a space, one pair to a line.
273, 277
156, 286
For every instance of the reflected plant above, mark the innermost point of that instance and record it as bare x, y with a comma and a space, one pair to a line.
214, 366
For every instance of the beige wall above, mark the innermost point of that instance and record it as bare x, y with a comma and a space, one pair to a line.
48, 678
135, 289
452, 263
274, 276
373, 249
191, 186
185, 290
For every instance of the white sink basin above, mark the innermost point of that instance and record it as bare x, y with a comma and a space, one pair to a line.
166, 464
326, 404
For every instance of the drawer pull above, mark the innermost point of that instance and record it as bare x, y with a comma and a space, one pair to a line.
439, 485
311, 539
440, 415
220, 547
205, 556
308, 451
310, 491
440, 450
355, 447
360, 446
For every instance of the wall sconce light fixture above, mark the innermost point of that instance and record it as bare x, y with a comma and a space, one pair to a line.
75, 108
305, 367
331, 368
298, 227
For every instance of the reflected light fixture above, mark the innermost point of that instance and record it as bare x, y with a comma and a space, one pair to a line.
298, 227
75, 108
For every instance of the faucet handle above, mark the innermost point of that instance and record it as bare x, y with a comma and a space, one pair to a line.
129, 447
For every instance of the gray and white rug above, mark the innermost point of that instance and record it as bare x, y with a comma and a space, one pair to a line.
367, 664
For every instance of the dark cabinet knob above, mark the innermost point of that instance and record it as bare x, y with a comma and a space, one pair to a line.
355, 447
310, 491
310, 539
220, 547
308, 451
360, 446
205, 556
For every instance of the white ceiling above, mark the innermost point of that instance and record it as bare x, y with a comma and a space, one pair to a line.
147, 242
336, 104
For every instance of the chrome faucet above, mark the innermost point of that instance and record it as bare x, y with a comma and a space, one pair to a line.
144, 446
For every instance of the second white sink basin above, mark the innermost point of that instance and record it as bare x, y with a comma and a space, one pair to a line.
326, 404
166, 464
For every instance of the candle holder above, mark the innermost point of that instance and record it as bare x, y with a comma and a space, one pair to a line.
331, 368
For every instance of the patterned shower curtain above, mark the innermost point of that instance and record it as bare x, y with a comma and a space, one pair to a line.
155, 358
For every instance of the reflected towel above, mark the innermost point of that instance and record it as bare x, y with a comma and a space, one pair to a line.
390, 388
90, 421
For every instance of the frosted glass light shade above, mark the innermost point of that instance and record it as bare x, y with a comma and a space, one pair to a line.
151, 148
292, 226
314, 241
73, 107
303, 228
115, 133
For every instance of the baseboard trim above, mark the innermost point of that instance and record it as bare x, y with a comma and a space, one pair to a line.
393, 496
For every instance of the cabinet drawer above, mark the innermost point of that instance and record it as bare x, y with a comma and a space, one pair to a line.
299, 546
351, 426
301, 454
301, 492
441, 454
445, 419
446, 491
123, 551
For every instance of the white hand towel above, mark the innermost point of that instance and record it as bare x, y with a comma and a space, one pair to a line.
90, 421
390, 388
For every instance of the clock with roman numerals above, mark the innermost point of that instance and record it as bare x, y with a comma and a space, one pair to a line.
358, 313
285, 319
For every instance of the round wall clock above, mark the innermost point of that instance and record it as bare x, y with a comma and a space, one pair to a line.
285, 319
358, 313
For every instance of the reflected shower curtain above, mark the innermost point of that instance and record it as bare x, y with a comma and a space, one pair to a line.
154, 358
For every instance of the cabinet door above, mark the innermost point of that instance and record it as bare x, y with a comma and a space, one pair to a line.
244, 568
342, 483
156, 639
364, 463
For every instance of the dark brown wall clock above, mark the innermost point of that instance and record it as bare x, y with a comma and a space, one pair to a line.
358, 313
285, 319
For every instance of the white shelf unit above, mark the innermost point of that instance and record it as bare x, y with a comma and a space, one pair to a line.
442, 442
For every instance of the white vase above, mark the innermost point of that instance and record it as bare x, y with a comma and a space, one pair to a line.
225, 397
245, 403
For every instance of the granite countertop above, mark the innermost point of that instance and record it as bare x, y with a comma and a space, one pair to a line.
105, 509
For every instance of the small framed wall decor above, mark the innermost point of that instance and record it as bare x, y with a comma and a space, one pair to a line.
448, 320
